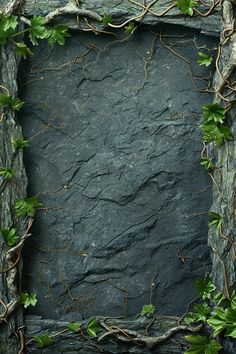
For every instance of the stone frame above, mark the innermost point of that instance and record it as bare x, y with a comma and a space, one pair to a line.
218, 23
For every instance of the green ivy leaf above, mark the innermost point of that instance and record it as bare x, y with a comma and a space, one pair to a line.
148, 310
26, 206
10, 236
202, 345
106, 20
218, 298
93, 327
130, 28
37, 29
216, 133
9, 101
28, 299
23, 50
217, 321
43, 340
16, 104
213, 113
20, 143
204, 288
74, 326
7, 27
200, 313
215, 219
204, 59
207, 163
6, 173
186, 6
57, 34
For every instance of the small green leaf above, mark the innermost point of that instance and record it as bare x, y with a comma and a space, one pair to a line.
207, 163
43, 340
7, 27
6, 173
202, 345
20, 143
217, 321
130, 28
216, 133
37, 29
9, 101
57, 34
28, 299
23, 50
16, 104
200, 313
93, 327
204, 59
204, 288
10, 237
186, 6
26, 206
148, 310
215, 219
74, 326
106, 20
213, 113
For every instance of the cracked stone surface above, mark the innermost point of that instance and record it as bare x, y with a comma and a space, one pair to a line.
114, 158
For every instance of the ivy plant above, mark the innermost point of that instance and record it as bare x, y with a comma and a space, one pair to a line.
93, 327
215, 219
26, 206
7, 101
43, 340
10, 236
204, 59
186, 6
202, 345
7, 172
20, 143
148, 310
74, 326
28, 299
130, 28
106, 19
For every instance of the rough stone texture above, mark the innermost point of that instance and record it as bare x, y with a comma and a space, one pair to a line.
118, 171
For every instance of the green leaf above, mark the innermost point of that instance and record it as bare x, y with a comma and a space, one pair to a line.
217, 321
23, 50
16, 104
93, 327
43, 340
74, 326
200, 313
213, 113
26, 206
6, 27
130, 28
186, 6
9, 22
9, 235
6, 173
37, 29
207, 163
216, 133
202, 345
233, 300
106, 20
9, 101
148, 310
204, 59
230, 323
20, 143
218, 298
28, 299
204, 288
57, 34
215, 219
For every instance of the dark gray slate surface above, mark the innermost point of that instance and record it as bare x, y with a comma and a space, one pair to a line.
117, 169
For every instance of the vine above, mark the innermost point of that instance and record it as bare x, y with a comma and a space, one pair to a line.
218, 309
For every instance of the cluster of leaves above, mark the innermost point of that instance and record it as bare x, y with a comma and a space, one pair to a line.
6, 172
37, 30
187, 6
28, 299
26, 206
212, 127
10, 236
92, 328
20, 143
204, 59
7, 101
148, 310
216, 311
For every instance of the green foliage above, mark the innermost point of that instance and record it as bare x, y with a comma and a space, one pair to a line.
130, 28
202, 345
216, 133
37, 29
207, 163
204, 59
28, 299
186, 6
213, 113
20, 143
8, 25
223, 320
200, 313
74, 326
106, 20
23, 50
10, 236
148, 310
11, 102
57, 34
93, 327
26, 206
215, 219
6, 173
204, 288
43, 340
